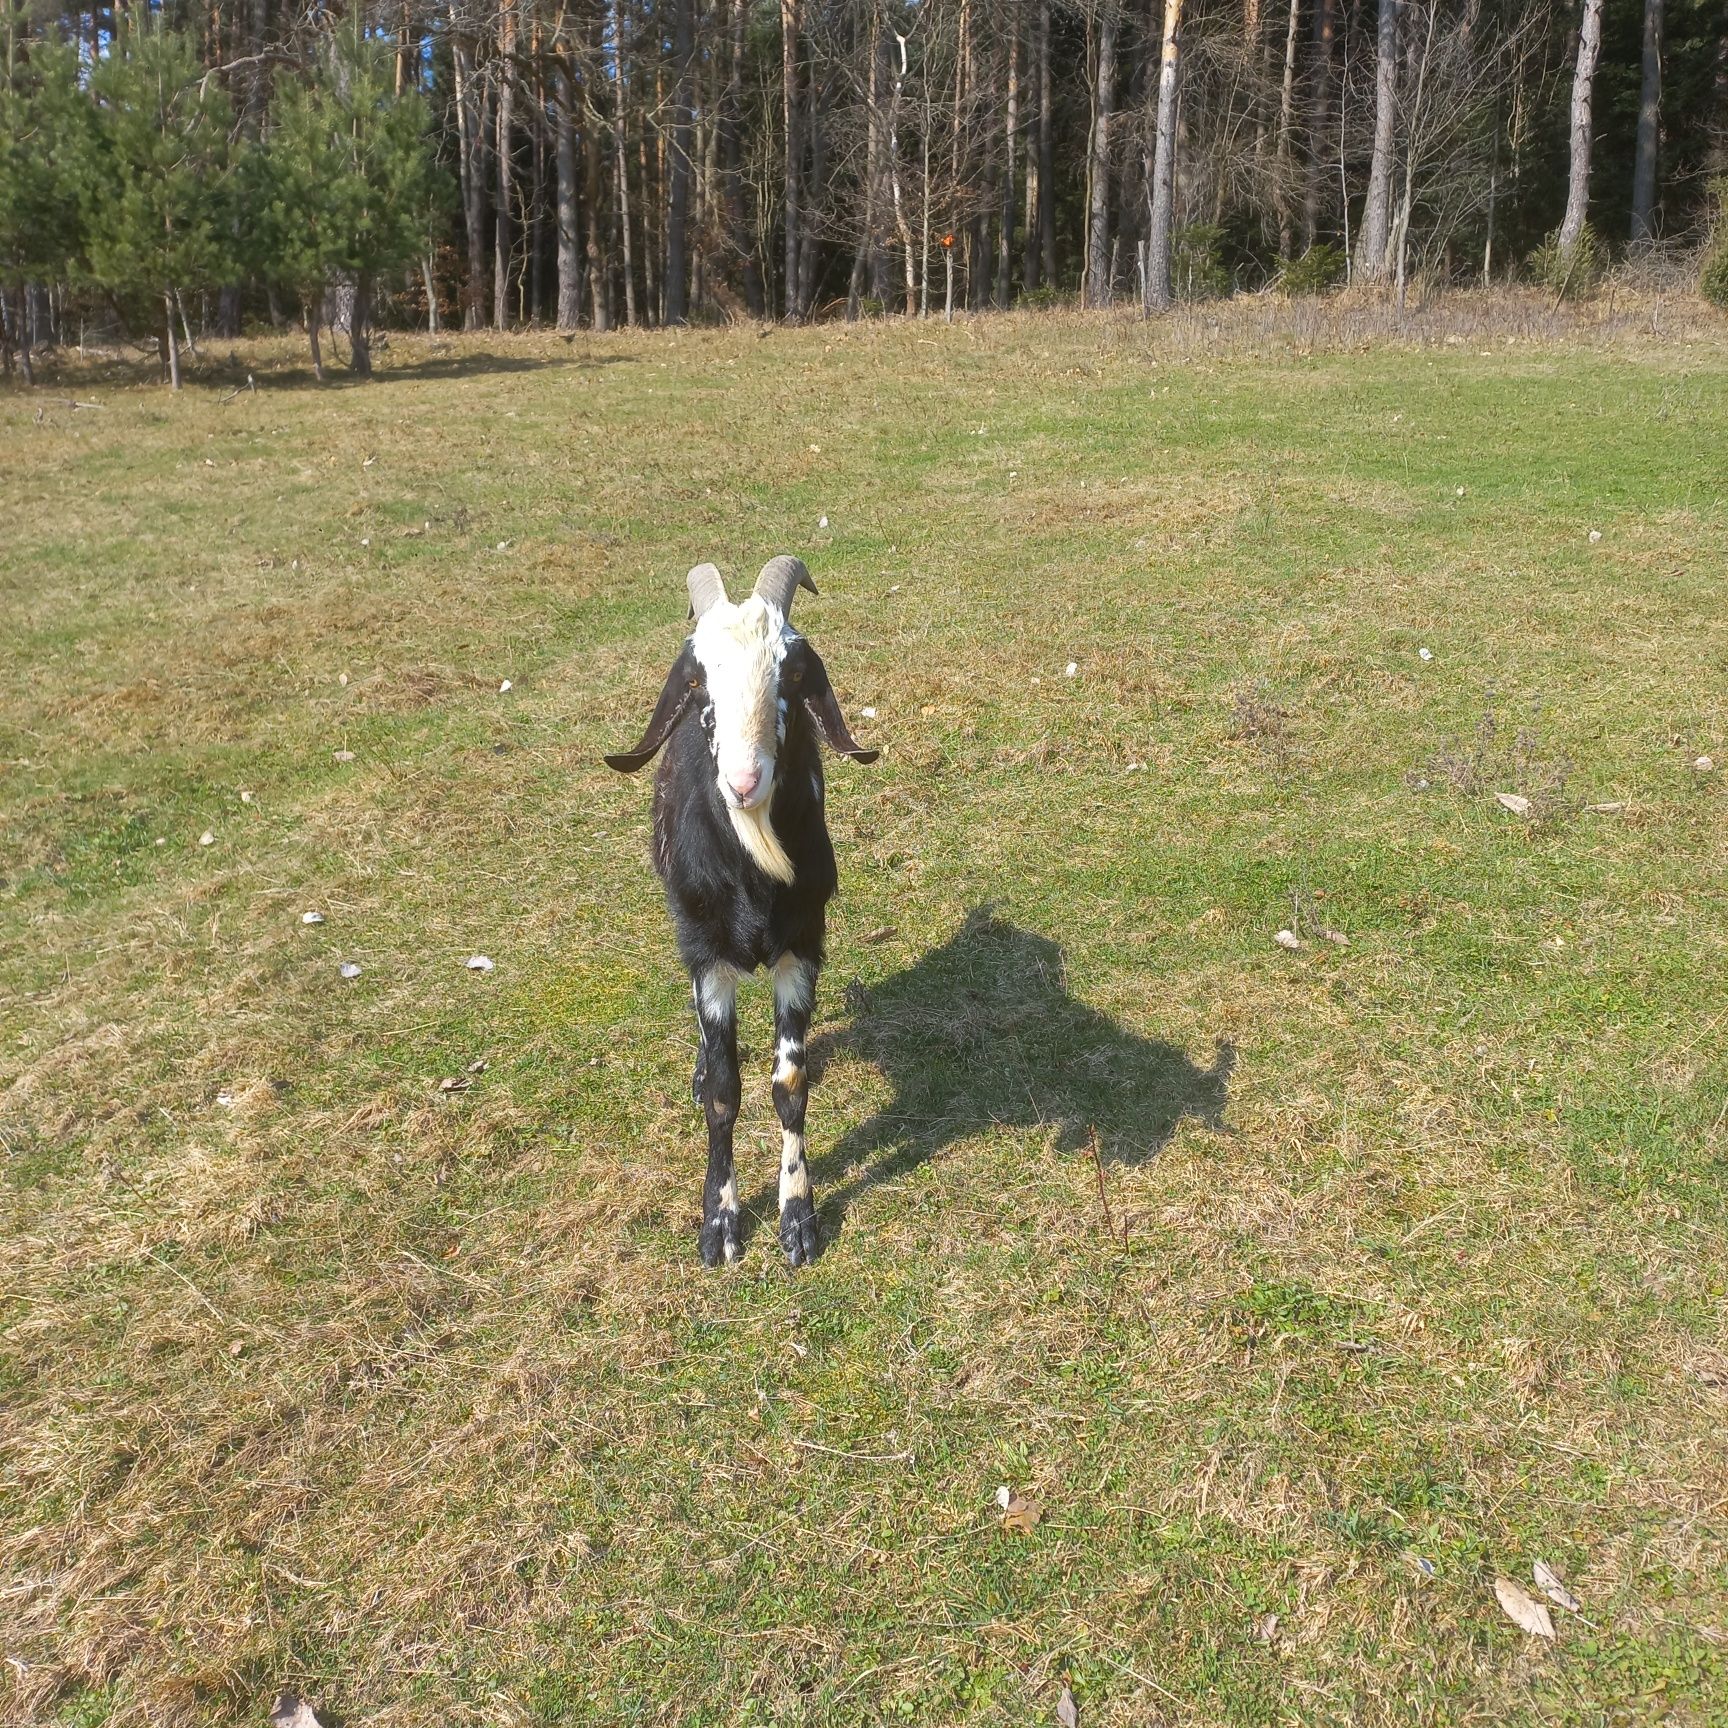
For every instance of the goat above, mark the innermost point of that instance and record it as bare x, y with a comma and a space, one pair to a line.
741, 845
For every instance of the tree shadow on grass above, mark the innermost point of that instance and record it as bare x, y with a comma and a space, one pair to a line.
981, 1033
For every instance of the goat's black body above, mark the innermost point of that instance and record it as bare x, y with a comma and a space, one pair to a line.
725, 908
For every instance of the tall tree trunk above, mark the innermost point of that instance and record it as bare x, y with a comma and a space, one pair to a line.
314, 304
1284, 190
171, 340
731, 156
1583, 88
1098, 213
1161, 218
862, 257
1371, 240
901, 224
1649, 111
1010, 145
569, 251
621, 164
680, 167
503, 240
809, 249
1319, 110
1046, 149
599, 283
794, 147
470, 135
359, 322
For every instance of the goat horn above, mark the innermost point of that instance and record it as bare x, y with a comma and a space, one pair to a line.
781, 578
705, 588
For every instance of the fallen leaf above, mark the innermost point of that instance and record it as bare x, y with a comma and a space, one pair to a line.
1289, 939
1595, 535
245, 797
1071, 669
478, 1067
1613, 807
348, 969
1522, 1609
1704, 764
822, 522
478, 963
1021, 1515
225, 1099
343, 755
504, 687
1548, 1582
1516, 802
1336, 936
288, 1711
1424, 654
1067, 1711
454, 1083
1266, 1628
206, 838
880, 934
311, 917
868, 713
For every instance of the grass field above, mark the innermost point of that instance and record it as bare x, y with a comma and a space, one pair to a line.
420, 1404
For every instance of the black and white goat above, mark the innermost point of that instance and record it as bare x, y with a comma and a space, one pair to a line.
741, 844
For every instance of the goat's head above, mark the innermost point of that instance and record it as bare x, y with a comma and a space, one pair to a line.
745, 666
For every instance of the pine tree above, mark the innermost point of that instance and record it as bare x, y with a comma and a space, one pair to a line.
156, 189
348, 184
44, 133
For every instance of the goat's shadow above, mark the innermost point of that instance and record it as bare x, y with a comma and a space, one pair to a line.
982, 1032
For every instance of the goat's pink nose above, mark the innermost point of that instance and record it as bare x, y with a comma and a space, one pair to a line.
747, 782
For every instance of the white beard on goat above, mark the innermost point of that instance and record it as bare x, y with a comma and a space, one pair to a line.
740, 649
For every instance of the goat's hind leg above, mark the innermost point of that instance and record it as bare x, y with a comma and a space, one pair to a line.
794, 994
717, 1073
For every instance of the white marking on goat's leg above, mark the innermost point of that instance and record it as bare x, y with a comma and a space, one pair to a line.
794, 985
794, 992
717, 992
789, 1064
794, 1168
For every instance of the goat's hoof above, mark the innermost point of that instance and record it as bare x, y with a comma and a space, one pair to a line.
720, 1238
798, 1232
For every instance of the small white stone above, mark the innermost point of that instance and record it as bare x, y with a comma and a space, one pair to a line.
478, 963
1289, 939
348, 969
225, 1099
161, 839
502, 688
1424, 653
1704, 764
868, 713
1071, 668
822, 522
311, 917
206, 838
1004, 1495
366, 540
503, 545
1595, 535
245, 797
343, 755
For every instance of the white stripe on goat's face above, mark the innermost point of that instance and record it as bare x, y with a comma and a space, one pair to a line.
740, 649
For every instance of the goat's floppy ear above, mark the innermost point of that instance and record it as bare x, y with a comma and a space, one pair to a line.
682, 683
825, 715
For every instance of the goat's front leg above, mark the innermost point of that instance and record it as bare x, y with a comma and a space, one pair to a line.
717, 1009
794, 993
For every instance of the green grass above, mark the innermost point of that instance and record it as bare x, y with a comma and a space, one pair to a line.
422, 1406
